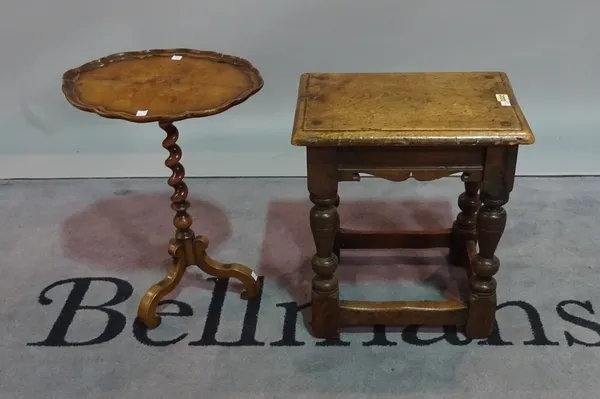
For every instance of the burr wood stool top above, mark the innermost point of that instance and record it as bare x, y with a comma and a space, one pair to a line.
161, 85
408, 109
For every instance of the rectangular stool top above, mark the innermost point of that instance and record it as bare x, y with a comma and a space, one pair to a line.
402, 109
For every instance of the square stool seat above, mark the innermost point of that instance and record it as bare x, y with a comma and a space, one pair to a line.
396, 126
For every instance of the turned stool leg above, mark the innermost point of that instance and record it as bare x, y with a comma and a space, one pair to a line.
464, 228
491, 220
324, 223
337, 241
325, 288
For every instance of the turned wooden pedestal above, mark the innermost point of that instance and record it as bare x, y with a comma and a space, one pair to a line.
396, 126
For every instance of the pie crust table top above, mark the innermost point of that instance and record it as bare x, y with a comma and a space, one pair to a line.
161, 85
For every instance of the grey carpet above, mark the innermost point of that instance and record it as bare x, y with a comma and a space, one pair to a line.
71, 246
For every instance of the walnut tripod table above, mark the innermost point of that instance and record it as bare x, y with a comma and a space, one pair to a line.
166, 86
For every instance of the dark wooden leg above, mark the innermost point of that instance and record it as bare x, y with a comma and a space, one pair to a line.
324, 222
491, 221
337, 242
463, 228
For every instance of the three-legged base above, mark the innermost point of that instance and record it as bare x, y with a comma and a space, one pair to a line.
185, 248
187, 253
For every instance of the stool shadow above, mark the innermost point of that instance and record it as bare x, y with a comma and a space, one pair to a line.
289, 246
132, 231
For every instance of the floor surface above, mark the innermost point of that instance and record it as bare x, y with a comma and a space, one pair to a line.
77, 256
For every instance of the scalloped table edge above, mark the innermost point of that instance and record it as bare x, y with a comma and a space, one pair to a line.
70, 77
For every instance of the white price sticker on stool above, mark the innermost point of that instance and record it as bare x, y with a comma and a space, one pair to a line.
141, 112
254, 276
503, 100
177, 57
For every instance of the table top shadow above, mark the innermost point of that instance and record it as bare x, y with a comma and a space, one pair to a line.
161, 85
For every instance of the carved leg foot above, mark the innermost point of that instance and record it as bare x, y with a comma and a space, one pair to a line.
147, 307
325, 306
244, 274
464, 227
491, 220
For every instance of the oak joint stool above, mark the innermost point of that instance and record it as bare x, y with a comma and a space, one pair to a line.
165, 86
397, 126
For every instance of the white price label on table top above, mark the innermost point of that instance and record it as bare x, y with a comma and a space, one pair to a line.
503, 99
